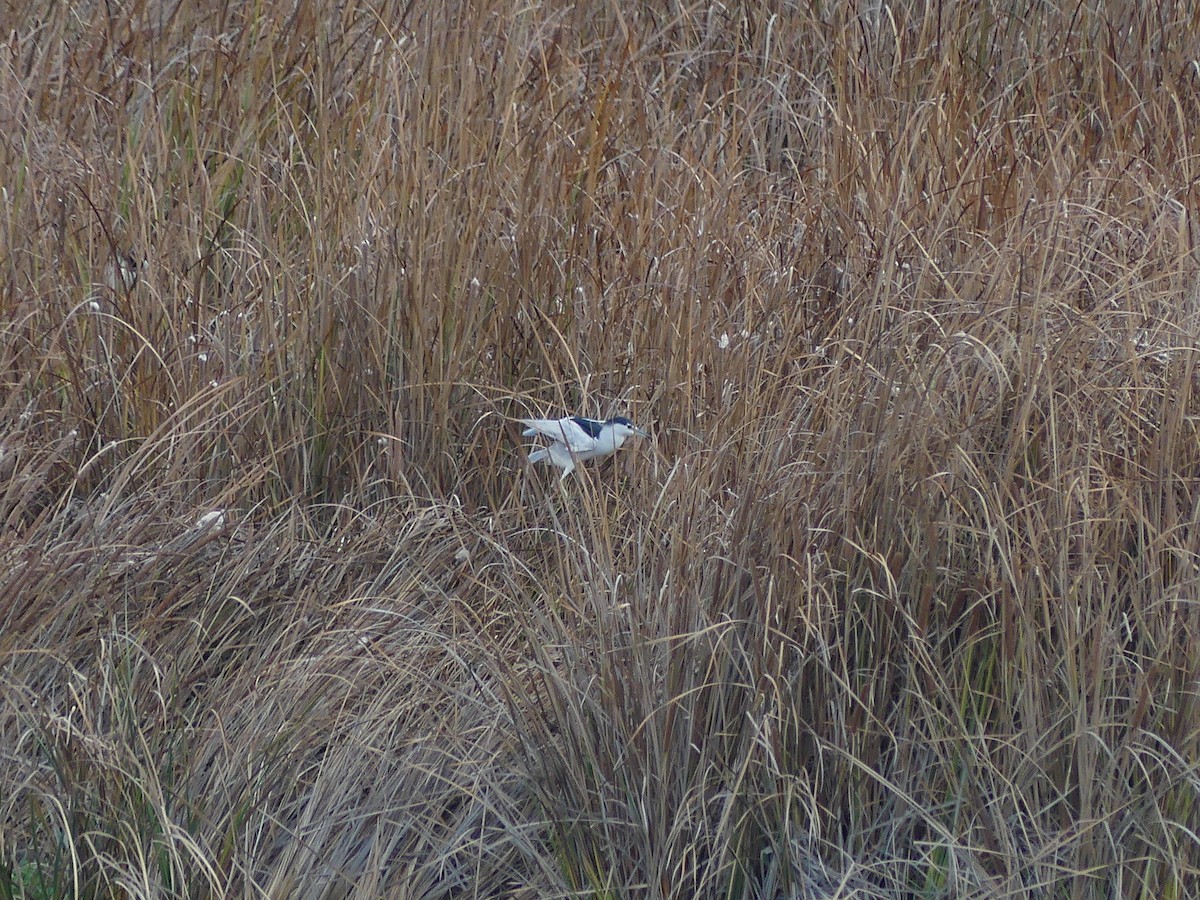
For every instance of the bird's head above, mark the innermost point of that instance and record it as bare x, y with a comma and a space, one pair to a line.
623, 428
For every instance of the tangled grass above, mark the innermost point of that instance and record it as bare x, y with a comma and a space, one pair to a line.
899, 601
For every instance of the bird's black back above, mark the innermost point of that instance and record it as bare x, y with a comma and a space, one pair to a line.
590, 426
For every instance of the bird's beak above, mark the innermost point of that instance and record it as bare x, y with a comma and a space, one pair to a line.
641, 432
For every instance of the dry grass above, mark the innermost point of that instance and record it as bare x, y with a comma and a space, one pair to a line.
899, 601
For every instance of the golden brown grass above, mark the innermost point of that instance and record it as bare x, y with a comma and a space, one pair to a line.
899, 601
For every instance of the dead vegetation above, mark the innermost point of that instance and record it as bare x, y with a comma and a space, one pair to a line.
900, 600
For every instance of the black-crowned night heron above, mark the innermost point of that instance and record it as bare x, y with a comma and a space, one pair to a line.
574, 439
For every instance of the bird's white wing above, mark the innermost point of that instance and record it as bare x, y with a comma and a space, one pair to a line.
565, 430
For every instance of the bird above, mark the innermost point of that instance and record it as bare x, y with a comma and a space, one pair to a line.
575, 438
125, 267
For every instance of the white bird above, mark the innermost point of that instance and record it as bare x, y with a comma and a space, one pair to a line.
575, 439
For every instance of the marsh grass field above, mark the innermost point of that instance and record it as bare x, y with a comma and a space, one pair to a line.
900, 598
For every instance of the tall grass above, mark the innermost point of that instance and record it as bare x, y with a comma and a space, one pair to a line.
898, 601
